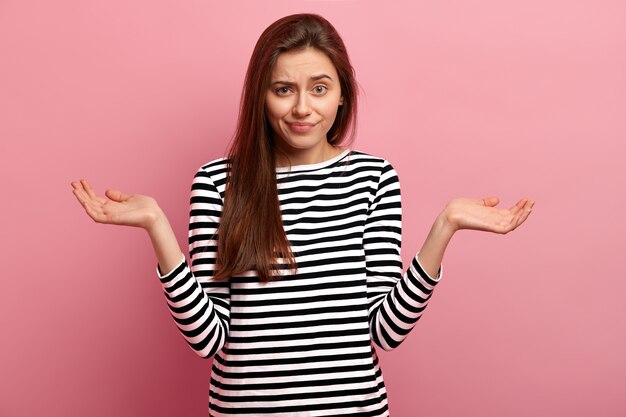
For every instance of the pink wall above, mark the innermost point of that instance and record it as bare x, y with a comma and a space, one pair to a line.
465, 98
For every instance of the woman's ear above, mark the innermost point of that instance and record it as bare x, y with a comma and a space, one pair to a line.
341, 101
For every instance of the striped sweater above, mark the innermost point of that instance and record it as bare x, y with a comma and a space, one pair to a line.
303, 345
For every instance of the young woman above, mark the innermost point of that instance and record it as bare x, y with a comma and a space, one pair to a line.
294, 239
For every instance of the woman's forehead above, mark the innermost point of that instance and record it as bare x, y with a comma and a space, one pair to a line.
303, 64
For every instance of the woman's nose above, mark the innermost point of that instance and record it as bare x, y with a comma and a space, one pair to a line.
302, 106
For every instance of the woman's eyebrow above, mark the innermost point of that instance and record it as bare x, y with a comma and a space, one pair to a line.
321, 76
313, 78
282, 82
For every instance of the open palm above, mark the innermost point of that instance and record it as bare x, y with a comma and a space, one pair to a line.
117, 207
466, 213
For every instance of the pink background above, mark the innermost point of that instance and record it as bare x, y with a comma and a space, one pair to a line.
464, 98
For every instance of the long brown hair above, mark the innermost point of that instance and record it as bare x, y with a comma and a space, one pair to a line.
251, 233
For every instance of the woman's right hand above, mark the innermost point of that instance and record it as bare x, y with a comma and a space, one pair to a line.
117, 207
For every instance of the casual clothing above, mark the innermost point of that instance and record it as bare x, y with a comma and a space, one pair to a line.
303, 344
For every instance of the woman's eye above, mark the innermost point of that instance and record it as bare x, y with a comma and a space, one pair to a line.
282, 91
319, 89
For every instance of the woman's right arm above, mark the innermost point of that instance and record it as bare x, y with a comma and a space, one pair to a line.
200, 306
132, 210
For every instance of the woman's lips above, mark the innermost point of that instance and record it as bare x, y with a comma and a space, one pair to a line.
300, 127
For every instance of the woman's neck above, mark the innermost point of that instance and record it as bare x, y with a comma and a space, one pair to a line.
306, 156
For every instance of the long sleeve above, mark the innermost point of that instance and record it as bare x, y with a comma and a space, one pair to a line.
396, 299
200, 306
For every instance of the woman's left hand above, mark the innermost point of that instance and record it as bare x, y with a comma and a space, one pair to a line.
467, 213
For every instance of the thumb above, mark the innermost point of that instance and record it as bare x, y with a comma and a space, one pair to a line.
491, 201
116, 195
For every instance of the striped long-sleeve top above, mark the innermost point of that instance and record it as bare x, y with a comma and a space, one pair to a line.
303, 344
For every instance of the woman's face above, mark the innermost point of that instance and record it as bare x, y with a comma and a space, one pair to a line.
302, 102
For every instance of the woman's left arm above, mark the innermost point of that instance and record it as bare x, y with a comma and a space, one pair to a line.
465, 213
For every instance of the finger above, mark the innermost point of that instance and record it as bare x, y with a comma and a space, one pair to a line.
88, 189
80, 195
519, 207
523, 213
84, 198
116, 195
93, 211
490, 201
522, 218
78, 186
528, 208
514, 211
521, 203
517, 220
